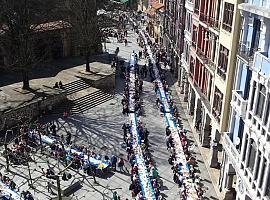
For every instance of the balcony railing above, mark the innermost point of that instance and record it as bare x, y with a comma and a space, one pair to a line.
204, 18
231, 150
194, 44
196, 10
239, 103
200, 53
246, 52
262, 63
214, 23
211, 65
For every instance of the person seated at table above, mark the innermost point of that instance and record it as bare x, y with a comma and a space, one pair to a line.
181, 179
106, 159
175, 177
140, 196
161, 108
154, 172
157, 192
158, 102
168, 131
191, 174
171, 159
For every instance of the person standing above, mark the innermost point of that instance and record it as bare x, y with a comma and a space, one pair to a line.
121, 165
115, 196
114, 161
124, 127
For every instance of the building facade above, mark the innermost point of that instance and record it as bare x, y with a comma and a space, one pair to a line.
246, 167
208, 63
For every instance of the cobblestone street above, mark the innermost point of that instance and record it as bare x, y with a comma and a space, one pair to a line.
100, 129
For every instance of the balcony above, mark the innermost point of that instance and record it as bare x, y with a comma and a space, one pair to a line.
238, 103
211, 66
214, 23
201, 55
231, 150
204, 18
262, 63
196, 10
246, 53
194, 44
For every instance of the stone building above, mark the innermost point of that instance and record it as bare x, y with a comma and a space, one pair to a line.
246, 166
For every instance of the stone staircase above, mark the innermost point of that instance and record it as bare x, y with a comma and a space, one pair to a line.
81, 97
76, 86
89, 101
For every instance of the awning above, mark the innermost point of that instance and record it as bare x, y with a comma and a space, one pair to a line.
150, 11
157, 5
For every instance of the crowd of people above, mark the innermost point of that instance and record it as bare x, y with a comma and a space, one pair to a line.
8, 182
128, 137
189, 163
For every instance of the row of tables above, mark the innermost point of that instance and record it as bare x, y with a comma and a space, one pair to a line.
8, 193
145, 182
180, 156
87, 159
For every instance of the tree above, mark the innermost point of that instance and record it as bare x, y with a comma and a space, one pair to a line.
19, 22
82, 15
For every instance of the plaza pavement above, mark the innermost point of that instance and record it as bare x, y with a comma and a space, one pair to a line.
100, 129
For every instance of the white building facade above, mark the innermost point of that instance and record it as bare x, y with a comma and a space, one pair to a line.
245, 170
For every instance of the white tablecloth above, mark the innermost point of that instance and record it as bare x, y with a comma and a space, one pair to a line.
180, 156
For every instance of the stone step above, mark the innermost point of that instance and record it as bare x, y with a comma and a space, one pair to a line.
90, 101
75, 86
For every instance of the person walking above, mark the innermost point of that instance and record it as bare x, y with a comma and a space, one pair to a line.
121, 165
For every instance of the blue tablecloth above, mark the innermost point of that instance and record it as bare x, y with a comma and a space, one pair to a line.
7, 192
92, 161
144, 178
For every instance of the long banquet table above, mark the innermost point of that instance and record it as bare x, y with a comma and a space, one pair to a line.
8, 193
145, 182
89, 160
180, 156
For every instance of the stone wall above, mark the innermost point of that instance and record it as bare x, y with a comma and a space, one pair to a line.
30, 110
107, 83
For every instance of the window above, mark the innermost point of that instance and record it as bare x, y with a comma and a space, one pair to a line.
245, 148
217, 104
258, 165
267, 112
188, 22
253, 94
267, 192
192, 64
194, 36
252, 155
222, 62
197, 6
228, 16
261, 101
263, 172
